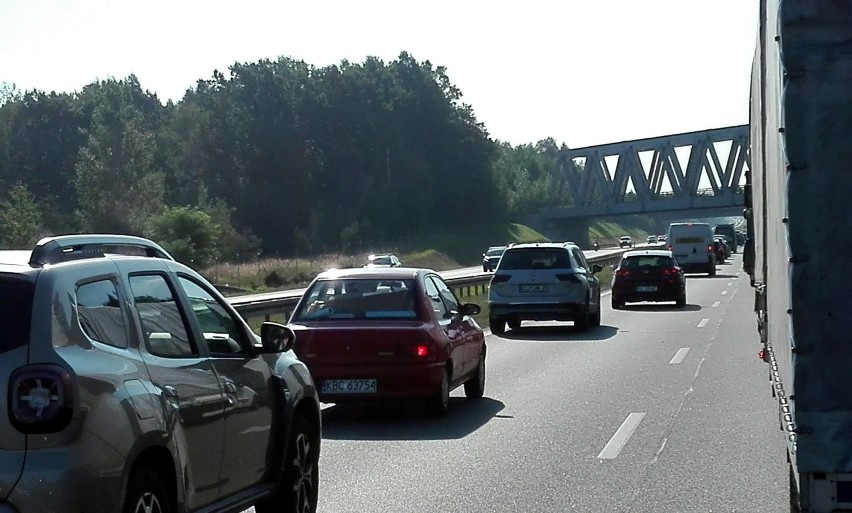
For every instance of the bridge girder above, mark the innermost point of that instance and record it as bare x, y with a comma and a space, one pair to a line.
666, 184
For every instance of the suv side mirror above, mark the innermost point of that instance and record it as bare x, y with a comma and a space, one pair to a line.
596, 268
276, 338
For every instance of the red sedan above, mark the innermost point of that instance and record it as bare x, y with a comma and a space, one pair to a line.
389, 333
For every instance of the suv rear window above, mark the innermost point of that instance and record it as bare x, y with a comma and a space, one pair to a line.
16, 309
535, 258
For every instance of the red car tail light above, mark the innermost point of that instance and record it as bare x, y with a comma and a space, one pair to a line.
40, 399
422, 350
671, 271
568, 277
670, 247
499, 278
623, 272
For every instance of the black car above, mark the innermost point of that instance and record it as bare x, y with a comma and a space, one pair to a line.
651, 275
491, 258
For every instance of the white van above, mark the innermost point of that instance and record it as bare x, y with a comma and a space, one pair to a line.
692, 246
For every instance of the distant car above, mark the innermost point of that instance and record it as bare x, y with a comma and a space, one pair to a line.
544, 281
725, 248
385, 260
491, 258
625, 242
648, 275
652, 239
661, 238
719, 250
381, 333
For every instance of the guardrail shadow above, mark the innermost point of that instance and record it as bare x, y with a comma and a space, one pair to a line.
407, 420
563, 332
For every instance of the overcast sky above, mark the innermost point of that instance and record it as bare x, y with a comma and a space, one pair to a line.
584, 72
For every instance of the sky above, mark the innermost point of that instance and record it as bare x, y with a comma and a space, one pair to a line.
584, 72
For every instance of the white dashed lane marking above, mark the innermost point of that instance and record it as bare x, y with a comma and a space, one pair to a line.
716, 304
679, 356
703, 323
724, 292
620, 438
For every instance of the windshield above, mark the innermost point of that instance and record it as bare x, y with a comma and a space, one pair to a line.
647, 262
16, 303
380, 261
358, 299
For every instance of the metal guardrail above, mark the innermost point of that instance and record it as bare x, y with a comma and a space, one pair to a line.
282, 303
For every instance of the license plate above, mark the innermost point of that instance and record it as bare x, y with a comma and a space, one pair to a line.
349, 386
646, 288
534, 287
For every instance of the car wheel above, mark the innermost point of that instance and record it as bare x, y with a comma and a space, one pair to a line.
484, 269
617, 304
438, 404
498, 326
474, 388
680, 302
596, 317
514, 323
300, 486
712, 270
146, 493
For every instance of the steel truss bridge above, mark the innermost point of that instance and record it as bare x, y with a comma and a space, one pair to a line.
694, 171
682, 176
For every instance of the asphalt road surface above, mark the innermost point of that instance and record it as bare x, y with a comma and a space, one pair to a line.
657, 410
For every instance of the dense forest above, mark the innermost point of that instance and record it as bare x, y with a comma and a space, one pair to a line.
274, 157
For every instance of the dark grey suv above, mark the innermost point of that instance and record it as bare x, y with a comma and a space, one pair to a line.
131, 385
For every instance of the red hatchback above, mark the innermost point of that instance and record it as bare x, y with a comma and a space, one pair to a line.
389, 333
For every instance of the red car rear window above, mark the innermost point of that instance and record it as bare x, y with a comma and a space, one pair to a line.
367, 299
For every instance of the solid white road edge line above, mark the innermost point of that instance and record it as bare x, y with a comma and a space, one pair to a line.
621, 436
679, 356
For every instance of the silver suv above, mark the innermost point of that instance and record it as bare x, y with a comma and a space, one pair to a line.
544, 281
130, 385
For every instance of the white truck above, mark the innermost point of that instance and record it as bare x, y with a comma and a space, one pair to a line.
799, 220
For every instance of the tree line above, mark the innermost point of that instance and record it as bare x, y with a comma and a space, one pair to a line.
275, 157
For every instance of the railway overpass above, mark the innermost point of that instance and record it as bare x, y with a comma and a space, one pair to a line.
674, 177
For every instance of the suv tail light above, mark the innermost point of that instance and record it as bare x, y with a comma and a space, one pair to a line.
623, 272
40, 399
499, 278
568, 277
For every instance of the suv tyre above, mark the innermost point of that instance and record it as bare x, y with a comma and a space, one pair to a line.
498, 325
299, 490
146, 493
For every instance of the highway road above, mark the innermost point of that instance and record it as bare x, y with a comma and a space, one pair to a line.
657, 410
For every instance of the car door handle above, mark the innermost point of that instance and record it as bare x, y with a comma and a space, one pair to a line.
230, 387
170, 394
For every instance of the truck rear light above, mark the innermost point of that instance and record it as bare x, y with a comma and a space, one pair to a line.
710, 248
499, 278
40, 399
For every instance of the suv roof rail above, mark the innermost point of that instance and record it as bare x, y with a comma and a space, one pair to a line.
64, 248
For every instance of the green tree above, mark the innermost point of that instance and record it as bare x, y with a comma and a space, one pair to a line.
118, 183
189, 234
20, 219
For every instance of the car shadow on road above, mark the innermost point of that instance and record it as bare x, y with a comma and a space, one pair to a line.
407, 420
660, 307
564, 333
